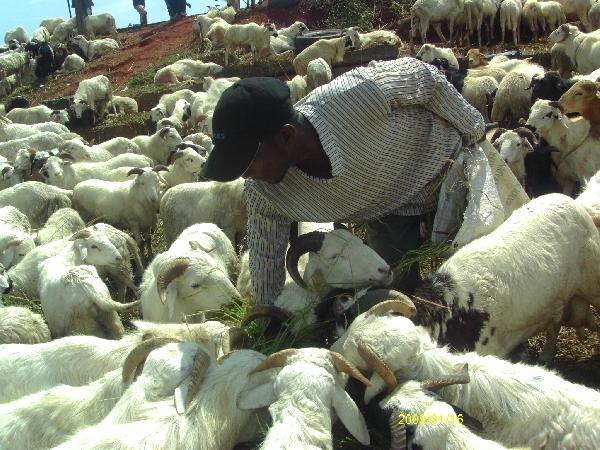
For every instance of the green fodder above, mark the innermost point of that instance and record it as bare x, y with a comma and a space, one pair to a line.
428, 257
137, 119
12, 300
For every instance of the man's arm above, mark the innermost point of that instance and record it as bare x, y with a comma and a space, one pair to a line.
408, 81
268, 236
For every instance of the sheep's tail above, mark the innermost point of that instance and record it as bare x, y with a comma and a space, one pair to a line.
107, 304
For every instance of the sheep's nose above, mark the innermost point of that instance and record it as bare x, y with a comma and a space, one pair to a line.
119, 259
385, 269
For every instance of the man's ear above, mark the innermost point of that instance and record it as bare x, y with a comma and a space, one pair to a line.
288, 131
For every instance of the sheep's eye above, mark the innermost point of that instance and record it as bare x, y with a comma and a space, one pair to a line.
95, 247
196, 285
335, 256
21, 254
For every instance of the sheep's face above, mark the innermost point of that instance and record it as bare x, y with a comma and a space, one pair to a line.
148, 184
79, 106
77, 40
189, 160
157, 113
512, 148
61, 116
298, 28
562, 33
426, 53
579, 96
344, 261
203, 286
545, 114
476, 58
23, 160
15, 250
215, 69
53, 170
170, 136
270, 29
76, 149
9, 176
354, 38
98, 250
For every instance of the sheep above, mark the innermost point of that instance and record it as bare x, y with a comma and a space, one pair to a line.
227, 13
9, 175
38, 201
7, 85
576, 10
549, 87
500, 394
330, 50
192, 276
513, 146
298, 88
203, 22
428, 52
95, 94
19, 325
216, 32
513, 100
124, 105
159, 145
10, 131
63, 223
16, 239
582, 98
65, 174
169, 100
179, 118
51, 24
100, 24
205, 108
582, 49
185, 165
574, 162
73, 297
553, 15
95, 48
532, 14
104, 151
73, 63
286, 36
424, 12
378, 37
252, 35
186, 69
18, 33
63, 31
593, 17
318, 73
43, 141
301, 398
197, 110
201, 140
510, 18
189, 203
132, 204
38, 114
78, 360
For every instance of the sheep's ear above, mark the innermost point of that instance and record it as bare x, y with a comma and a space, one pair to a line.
350, 415
259, 397
81, 248
8, 256
377, 386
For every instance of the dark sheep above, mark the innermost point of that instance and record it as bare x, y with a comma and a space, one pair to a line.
549, 87
17, 102
44, 56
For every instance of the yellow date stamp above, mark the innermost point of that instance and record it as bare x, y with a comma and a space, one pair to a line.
430, 419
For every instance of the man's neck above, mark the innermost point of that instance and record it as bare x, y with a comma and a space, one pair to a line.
315, 161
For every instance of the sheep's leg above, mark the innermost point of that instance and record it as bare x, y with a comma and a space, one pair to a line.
515, 35
491, 30
438, 29
502, 31
226, 56
451, 27
549, 349
479, 23
424, 28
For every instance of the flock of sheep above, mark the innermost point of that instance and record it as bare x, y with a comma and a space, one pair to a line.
437, 361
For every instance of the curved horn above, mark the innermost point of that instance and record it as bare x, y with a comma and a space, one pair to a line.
199, 369
376, 362
433, 384
340, 226
343, 365
499, 132
271, 311
175, 156
238, 339
533, 79
138, 355
402, 306
5, 169
135, 171
527, 134
81, 234
397, 432
160, 168
309, 242
169, 272
275, 360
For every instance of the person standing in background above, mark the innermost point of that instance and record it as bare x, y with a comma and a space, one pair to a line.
176, 9
140, 7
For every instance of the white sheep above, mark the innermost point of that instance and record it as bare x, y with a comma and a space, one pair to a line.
43, 141
575, 160
36, 200
553, 13
200, 139
298, 88
51, 24
428, 52
73, 63
227, 13
169, 100
124, 105
65, 174
132, 204
501, 395
582, 49
378, 37
37, 114
20, 325
532, 14
17, 63
331, 50
192, 276
73, 297
186, 163
220, 203
186, 69
159, 145
16, 239
94, 94
318, 73
513, 146
40, 34
180, 117
197, 110
424, 12
19, 33
99, 152
100, 24
10, 175
10, 131
216, 32
95, 48
301, 399
286, 37
510, 19
63, 223
477, 91
593, 16
253, 35
204, 110
63, 31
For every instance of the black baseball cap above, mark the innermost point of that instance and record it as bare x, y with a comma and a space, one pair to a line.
247, 112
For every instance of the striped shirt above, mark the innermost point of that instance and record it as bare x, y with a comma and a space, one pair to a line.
389, 131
